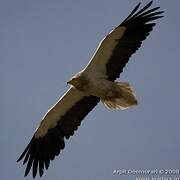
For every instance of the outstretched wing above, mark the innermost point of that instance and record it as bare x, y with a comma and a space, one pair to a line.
117, 47
59, 123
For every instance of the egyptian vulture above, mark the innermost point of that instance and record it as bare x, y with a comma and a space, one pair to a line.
95, 83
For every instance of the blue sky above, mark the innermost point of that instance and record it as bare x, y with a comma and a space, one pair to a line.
43, 43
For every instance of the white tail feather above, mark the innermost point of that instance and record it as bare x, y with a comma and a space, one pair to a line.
126, 97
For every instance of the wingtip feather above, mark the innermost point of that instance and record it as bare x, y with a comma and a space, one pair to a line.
133, 11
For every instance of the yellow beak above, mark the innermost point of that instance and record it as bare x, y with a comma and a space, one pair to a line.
71, 81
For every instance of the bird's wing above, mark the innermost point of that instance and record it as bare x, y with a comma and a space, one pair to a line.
117, 47
59, 123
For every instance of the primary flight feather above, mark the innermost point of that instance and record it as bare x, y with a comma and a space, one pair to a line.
93, 84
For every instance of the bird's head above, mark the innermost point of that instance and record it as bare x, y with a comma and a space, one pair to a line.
73, 81
78, 81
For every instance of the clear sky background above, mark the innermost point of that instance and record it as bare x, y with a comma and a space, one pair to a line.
43, 43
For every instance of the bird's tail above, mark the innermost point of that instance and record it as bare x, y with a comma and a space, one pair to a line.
125, 98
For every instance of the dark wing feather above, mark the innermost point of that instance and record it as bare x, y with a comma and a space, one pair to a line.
40, 151
138, 26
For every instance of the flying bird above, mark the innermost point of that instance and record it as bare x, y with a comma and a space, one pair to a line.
95, 83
